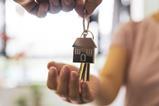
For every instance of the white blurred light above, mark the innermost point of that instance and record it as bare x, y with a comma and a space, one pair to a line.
125, 2
150, 7
52, 35
1, 16
137, 10
124, 16
106, 16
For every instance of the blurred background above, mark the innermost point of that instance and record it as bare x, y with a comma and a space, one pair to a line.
28, 43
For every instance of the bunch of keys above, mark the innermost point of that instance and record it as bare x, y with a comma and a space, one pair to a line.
84, 51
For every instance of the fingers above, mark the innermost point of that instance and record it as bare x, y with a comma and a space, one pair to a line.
52, 78
63, 83
55, 6
34, 10
67, 5
55, 64
29, 5
38, 8
43, 9
41, 1
90, 6
65, 80
74, 87
85, 93
79, 7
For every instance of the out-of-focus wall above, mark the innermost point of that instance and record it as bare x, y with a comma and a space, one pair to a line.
137, 10
150, 6
1, 15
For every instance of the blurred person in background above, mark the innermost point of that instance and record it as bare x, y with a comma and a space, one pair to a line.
133, 60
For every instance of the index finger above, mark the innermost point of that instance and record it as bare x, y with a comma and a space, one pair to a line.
29, 5
59, 66
52, 78
55, 64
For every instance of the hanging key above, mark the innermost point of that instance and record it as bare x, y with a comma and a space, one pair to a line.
84, 50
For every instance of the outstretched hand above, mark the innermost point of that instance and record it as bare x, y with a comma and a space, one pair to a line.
41, 7
64, 79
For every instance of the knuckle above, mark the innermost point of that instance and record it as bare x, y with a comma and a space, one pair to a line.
54, 10
67, 5
55, 6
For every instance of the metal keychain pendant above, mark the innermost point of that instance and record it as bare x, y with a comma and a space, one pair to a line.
84, 51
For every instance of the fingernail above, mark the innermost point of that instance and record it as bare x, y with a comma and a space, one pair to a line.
52, 68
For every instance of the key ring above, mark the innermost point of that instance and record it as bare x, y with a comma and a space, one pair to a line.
85, 33
85, 25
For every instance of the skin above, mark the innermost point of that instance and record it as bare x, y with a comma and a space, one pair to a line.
40, 8
64, 79
104, 89
156, 16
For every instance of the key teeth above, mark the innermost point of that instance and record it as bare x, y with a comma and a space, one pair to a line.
84, 72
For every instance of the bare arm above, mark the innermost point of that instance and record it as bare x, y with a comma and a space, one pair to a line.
112, 75
114, 71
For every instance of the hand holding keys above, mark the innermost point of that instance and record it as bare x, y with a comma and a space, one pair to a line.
84, 49
40, 8
64, 80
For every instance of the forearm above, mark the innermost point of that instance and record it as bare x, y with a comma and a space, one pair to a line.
107, 91
112, 75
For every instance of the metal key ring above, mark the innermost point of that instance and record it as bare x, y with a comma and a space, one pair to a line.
86, 32
85, 25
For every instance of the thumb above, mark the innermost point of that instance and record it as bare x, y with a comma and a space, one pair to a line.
85, 93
